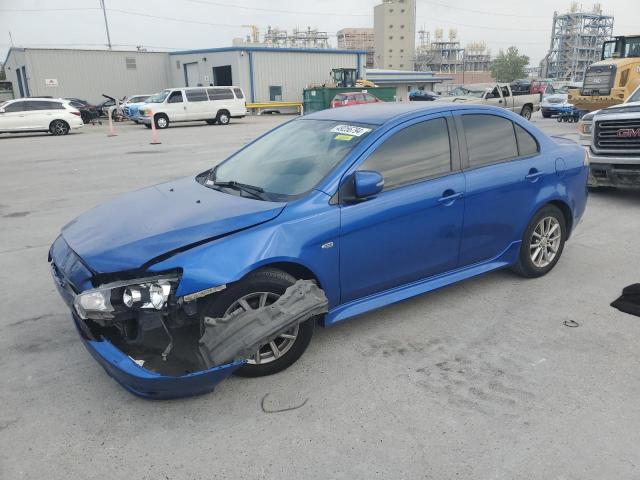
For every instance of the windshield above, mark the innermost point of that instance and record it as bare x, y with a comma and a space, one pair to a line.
635, 96
294, 158
158, 97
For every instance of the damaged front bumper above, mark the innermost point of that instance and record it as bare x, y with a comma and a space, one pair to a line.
145, 383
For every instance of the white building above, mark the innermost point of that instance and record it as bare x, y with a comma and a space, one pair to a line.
85, 74
405, 81
264, 73
394, 24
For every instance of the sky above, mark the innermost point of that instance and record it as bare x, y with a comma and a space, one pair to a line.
189, 24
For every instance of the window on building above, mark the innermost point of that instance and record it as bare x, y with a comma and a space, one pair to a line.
178, 64
402, 65
275, 93
130, 62
220, 94
414, 153
391, 50
197, 95
490, 139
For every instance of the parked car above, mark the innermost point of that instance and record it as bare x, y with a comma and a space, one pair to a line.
614, 147
500, 96
371, 204
585, 125
210, 104
89, 113
521, 86
422, 96
34, 114
542, 87
131, 107
557, 102
348, 99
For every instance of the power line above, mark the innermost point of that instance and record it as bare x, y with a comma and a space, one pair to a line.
273, 10
196, 22
26, 10
483, 12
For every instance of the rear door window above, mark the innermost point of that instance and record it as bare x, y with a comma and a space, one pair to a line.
197, 95
220, 94
238, 93
415, 153
527, 144
490, 139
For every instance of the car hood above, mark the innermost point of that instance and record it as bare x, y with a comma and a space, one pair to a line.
133, 229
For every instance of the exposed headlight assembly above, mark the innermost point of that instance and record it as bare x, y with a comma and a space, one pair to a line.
102, 303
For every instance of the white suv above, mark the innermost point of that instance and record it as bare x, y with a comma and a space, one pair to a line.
211, 104
56, 116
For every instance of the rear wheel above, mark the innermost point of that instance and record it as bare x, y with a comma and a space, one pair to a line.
223, 117
59, 127
526, 112
542, 243
256, 290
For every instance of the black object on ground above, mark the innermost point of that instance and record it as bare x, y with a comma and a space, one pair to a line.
629, 302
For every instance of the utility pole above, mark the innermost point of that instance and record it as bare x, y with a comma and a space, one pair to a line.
106, 23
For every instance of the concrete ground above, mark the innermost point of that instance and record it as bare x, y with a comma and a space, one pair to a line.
481, 380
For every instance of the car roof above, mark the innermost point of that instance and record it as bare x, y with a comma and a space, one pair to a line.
382, 112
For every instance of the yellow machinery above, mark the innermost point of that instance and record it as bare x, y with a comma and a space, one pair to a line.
610, 81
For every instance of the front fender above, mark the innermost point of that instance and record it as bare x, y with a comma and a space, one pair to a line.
306, 234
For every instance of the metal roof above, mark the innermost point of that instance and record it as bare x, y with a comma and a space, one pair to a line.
269, 49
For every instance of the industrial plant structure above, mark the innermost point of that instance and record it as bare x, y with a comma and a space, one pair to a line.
576, 42
358, 39
394, 23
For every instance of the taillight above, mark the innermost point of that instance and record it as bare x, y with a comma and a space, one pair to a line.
78, 114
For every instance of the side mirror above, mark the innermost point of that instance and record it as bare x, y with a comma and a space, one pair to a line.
367, 183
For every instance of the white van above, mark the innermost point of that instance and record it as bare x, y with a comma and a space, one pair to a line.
211, 104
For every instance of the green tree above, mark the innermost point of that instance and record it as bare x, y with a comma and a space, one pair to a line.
509, 66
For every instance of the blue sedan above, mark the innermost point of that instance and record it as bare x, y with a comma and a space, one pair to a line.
374, 204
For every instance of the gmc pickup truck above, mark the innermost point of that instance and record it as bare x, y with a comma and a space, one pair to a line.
614, 153
501, 96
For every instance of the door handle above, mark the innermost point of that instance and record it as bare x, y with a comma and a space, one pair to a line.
449, 196
534, 175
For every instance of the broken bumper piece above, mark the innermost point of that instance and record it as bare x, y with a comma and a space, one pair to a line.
148, 384
240, 334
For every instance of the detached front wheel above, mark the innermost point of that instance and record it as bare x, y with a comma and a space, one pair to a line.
257, 290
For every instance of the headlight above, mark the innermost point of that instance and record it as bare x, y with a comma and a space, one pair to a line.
102, 303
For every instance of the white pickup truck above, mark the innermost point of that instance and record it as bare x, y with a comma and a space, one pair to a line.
500, 95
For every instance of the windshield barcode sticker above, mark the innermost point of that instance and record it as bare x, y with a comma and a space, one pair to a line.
350, 130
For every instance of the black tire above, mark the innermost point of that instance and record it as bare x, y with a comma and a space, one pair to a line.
526, 266
266, 280
161, 120
148, 125
211, 122
223, 117
59, 127
526, 112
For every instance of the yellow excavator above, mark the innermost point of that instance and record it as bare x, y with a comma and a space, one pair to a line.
347, 78
611, 80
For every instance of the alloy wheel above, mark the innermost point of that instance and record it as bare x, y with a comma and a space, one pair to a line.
60, 128
279, 346
545, 242
161, 122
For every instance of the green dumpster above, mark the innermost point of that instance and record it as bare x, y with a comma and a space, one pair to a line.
316, 99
